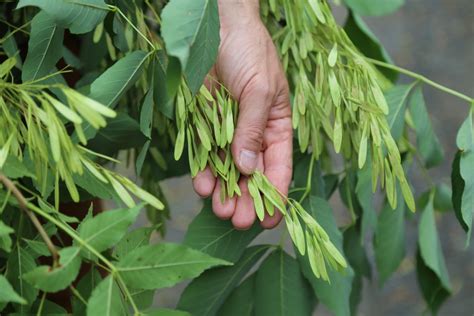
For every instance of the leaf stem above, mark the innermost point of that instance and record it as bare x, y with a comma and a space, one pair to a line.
24, 206
421, 78
83, 243
308, 180
78, 295
117, 9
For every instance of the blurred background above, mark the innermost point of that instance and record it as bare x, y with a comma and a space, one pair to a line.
434, 38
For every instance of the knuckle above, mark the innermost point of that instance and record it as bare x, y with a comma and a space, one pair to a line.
264, 89
252, 135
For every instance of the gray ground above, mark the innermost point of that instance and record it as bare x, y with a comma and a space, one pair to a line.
434, 38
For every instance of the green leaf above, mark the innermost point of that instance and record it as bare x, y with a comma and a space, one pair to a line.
79, 16
132, 240
11, 48
14, 168
8, 294
107, 228
356, 294
50, 279
355, 252
165, 84
430, 246
6, 66
280, 288
121, 132
111, 85
368, 43
241, 302
71, 59
300, 176
186, 26
146, 113
44, 47
85, 287
5, 239
442, 200
95, 187
205, 294
143, 298
396, 100
430, 285
218, 238
50, 308
390, 239
166, 312
38, 248
369, 7
365, 198
141, 157
465, 136
106, 299
163, 265
462, 177
19, 263
336, 294
427, 142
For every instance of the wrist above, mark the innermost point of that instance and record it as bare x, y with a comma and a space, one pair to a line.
237, 12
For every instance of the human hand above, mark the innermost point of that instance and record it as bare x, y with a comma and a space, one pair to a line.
249, 67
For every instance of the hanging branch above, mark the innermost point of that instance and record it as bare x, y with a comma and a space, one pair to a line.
23, 206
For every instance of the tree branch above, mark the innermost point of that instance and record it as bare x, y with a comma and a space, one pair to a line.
24, 207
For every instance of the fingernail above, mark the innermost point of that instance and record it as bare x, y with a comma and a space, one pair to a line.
248, 160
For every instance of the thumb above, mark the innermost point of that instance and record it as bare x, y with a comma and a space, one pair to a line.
251, 123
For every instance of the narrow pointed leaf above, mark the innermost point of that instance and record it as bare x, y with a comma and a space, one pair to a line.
163, 265
427, 142
390, 239
44, 47
205, 294
186, 25
336, 294
241, 302
8, 294
280, 288
106, 299
79, 16
107, 228
50, 279
218, 238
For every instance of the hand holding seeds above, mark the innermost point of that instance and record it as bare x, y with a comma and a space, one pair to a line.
249, 67
247, 169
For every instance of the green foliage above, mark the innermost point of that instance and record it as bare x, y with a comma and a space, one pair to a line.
205, 294
390, 240
57, 278
186, 26
129, 80
44, 47
163, 265
79, 16
431, 268
280, 288
367, 7
212, 236
106, 299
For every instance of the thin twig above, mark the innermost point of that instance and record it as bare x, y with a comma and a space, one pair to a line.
421, 78
24, 207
